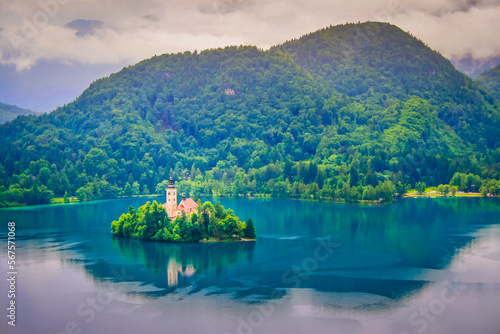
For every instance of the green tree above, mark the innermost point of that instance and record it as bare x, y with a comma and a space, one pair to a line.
230, 226
249, 231
66, 199
420, 187
453, 190
369, 193
44, 175
161, 187
220, 213
136, 188
354, 174
444, 189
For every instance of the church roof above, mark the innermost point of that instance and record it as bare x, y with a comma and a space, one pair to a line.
188, 203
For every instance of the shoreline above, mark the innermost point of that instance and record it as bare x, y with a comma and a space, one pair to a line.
434, 195
57, 201
209, 241
227, 240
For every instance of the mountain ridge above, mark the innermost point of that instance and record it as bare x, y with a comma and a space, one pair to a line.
401, 79
490, 79
8, 112
322, 115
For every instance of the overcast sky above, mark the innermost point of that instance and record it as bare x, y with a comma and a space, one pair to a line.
65, 44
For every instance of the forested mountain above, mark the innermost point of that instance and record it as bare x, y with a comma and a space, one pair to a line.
352, 111
372, 62
8, 112
491, 81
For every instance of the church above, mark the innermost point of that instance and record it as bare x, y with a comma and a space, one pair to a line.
186, 205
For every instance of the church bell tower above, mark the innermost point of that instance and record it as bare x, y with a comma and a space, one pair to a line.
171, 202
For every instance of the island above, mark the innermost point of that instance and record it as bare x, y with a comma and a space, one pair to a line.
188, 221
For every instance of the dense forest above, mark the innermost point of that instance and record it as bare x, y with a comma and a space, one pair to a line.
351, 112
491, 81
211, 221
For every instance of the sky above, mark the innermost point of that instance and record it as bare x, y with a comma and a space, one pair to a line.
51, 50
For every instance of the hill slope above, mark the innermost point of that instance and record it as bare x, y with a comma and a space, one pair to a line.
8, 112
321, 116
372, 62
491, 81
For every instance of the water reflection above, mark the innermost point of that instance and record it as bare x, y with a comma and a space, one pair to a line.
183, 260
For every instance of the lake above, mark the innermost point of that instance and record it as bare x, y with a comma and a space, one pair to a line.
418, 266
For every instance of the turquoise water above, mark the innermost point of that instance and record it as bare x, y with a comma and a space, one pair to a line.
417, 266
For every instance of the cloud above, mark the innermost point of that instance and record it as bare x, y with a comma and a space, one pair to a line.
441, 8
85, 27
458, 33
117, 31
224, 7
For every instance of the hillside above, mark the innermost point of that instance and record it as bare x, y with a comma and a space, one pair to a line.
491, 81
8, 112
323, 116
372, 62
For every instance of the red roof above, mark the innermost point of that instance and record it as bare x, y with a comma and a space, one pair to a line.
188, 204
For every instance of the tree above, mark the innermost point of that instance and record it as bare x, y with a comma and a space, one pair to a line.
154, 218
81, 194
160, 187
444, 189
44, 175
371, 177
214, 229
220, 213
369, 193
354, 174
45, 195
453, 190
136, 188
420, 187
93, 159
473, 182
66, 199
385, 191
458, 180
401, 188
230, 226
287, 169
249, 231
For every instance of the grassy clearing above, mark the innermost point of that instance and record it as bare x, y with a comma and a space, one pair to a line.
60, 200
432, 192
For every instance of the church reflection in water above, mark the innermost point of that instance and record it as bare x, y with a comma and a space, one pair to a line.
175, 268
180, 263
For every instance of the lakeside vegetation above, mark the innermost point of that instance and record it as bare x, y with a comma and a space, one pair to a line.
210, 223
337, 189
320, 117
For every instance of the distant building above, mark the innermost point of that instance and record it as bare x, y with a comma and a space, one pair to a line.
186, 205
